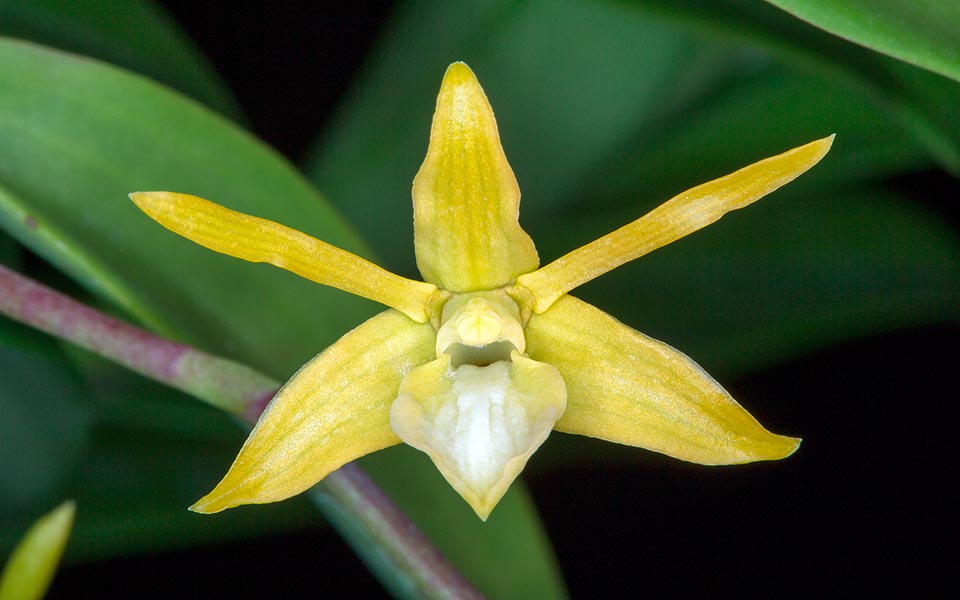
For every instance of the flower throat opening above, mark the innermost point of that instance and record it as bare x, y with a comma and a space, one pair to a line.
480, 329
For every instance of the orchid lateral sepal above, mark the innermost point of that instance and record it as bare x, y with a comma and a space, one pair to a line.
335, 409
625, 387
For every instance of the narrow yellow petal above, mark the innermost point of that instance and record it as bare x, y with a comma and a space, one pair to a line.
334, 410
479, 425
682, 215
465, 196
625, 387
34, 561
260, 240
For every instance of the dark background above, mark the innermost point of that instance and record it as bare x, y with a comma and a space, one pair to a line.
862, 505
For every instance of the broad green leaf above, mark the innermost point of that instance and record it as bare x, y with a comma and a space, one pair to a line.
77, 136
920, 32
748, 119
153, 452
919, 102
135, 34
798, 271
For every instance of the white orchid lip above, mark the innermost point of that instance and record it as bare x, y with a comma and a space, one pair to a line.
479, 424
482, 407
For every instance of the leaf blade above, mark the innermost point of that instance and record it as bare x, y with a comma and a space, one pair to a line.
922, 33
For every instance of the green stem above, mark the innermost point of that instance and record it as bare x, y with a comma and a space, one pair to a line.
381, 534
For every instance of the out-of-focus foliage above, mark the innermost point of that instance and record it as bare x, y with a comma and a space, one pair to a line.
135, 34
922, 32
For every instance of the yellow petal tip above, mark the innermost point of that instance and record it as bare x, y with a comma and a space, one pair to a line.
458, 72
150, 202
142, 197
823, 145
207, 506
760, 444
789, 446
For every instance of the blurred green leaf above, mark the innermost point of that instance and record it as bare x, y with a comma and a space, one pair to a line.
9, 251
135, 34
920, 32
43, 426
76, 136
919, 102
153, 452
752, 117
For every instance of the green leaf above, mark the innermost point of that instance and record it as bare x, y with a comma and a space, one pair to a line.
44, 427
153, 452
920, 103
135, 34
752, 117
77, 136
920, 32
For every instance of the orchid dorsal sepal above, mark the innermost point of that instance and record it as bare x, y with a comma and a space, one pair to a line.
260, 240
680, 216
465, 196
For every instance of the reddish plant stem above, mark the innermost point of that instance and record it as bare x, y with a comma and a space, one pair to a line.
223, 383
36, 305
392, 546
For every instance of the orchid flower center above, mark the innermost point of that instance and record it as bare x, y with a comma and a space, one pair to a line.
480, 329
482, 407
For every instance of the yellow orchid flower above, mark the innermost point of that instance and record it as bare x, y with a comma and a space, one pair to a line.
476, 365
